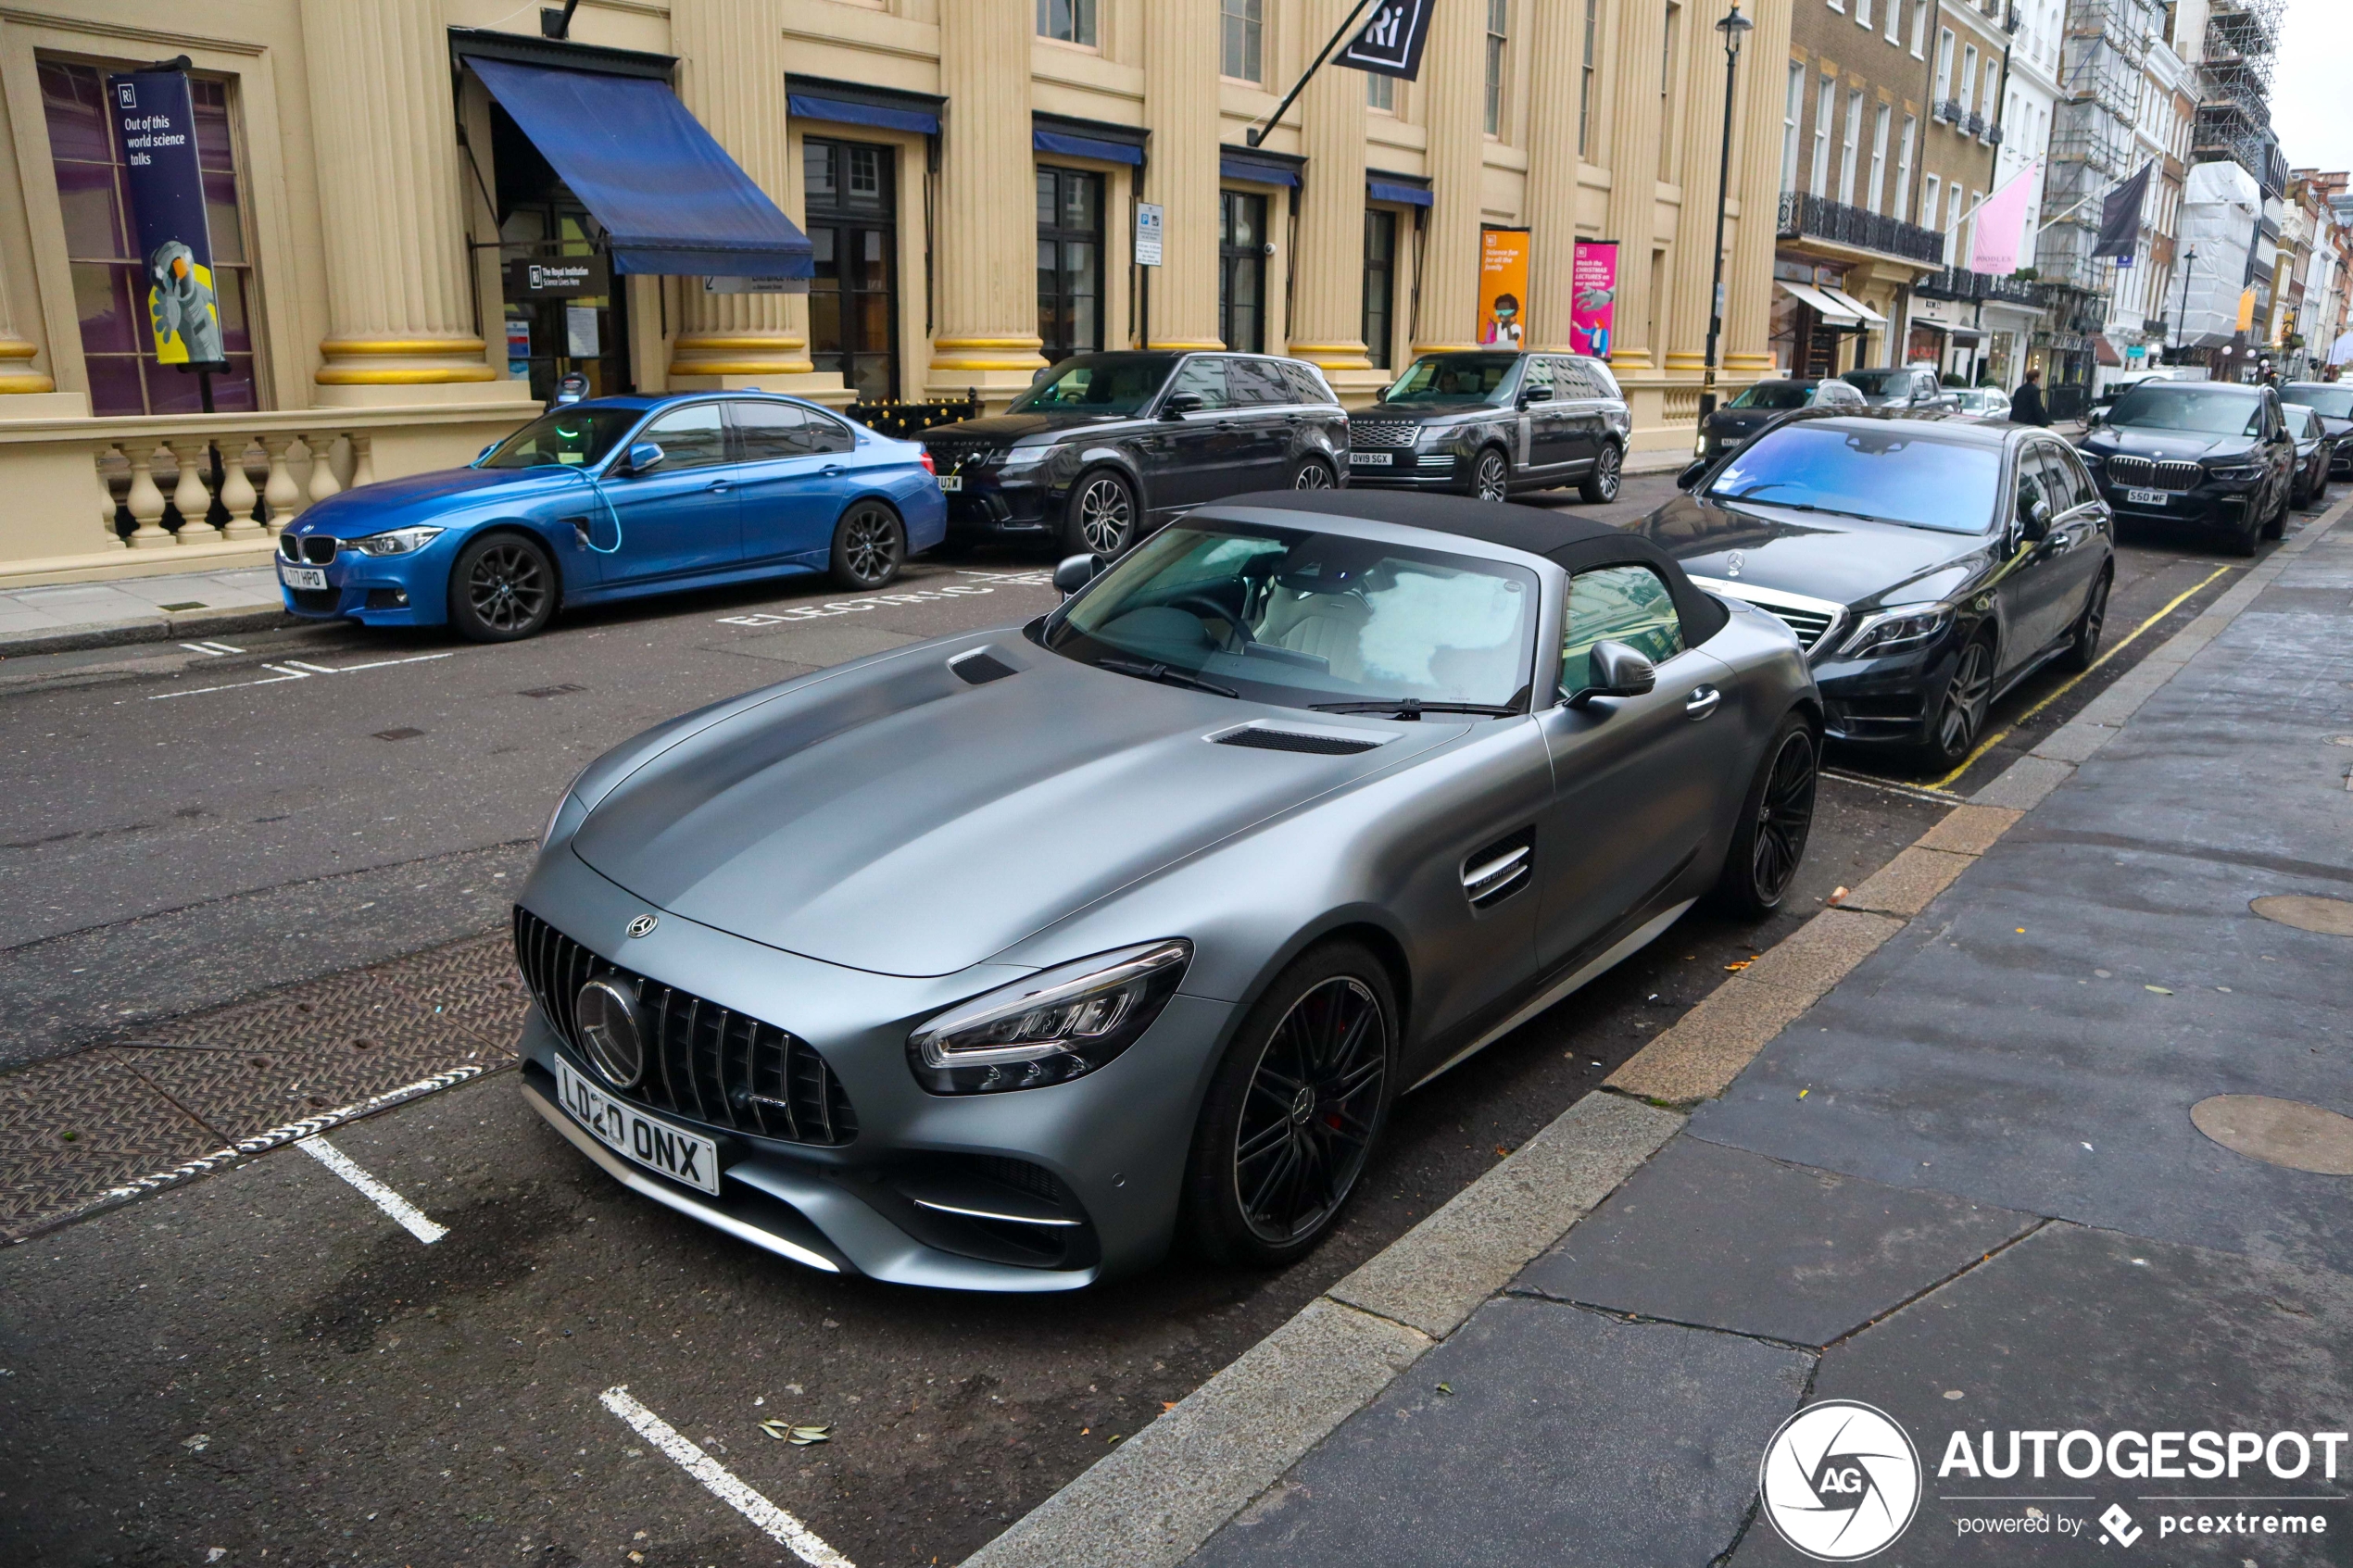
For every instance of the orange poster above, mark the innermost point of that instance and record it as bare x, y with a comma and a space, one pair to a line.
1503, 286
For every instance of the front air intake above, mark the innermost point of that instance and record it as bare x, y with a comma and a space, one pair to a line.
980, 667
1260, 738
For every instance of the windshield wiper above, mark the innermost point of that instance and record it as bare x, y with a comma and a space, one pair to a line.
1799, 506
1414, 708
1165, 674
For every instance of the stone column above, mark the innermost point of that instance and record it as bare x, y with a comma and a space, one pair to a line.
730, 77
399, 302
1180, 105
1453, 83
1557, 59
1634, 130
1757, 181
988, 244
1690, 266
1327, 309
17, 377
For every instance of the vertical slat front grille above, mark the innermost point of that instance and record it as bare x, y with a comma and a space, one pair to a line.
2139, 473
704, 1062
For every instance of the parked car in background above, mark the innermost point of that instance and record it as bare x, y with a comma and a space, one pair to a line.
614, 498
1985, 401
2314, 448
1908, 388
1106, 447
1489, 424
2213, 455
1759, 406
2333, 402
1927, 566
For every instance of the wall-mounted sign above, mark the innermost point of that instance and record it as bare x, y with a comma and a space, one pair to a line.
1503, 286
1147, 231
1593, 296
559, 277
156, 121
755, 285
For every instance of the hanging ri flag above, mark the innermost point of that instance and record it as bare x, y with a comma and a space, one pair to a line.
156, 121
1391, 43
2001, 225
2121, 216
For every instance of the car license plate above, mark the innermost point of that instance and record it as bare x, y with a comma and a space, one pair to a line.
952, 482
303, 576
2145, 498
1371, 460
680, 1155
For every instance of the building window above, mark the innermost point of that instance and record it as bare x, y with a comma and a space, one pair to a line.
1919, 27
1380, 92
1825, 106
1670, 39
1242, 270
110, 281
1863, 13
1848, 145
1244, 38
1498, 36
1967, 85
1895, 22
1073, 21
1070, 262
1929, 185
1902, 203
1792, 110
1585, 83
853, 302
1380, 284
1993, 89
1943, 64
1879, 157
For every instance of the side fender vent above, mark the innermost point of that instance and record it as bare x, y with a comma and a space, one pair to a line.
980, 667
1260, 738
1494, 874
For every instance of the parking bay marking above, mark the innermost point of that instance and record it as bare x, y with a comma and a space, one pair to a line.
296, 669
411, 1218
778, 1526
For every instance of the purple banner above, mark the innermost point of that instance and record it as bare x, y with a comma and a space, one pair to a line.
1592, 302
156, 123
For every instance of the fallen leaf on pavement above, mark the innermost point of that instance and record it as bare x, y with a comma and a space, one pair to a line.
2158, 989
1838, 895
1736, 968
799, 1436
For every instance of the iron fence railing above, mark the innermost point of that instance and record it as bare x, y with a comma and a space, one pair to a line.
1811, 216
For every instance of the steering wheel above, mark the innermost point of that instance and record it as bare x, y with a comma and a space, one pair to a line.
1242, 628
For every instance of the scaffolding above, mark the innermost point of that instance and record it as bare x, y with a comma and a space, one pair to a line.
2093, 147
2234, 89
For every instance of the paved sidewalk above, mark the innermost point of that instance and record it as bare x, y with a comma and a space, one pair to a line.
139, 609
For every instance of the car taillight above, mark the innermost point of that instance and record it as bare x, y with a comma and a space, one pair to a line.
929, 466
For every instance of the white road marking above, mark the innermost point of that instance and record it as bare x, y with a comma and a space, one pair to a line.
215, 649
412, 1218
845, 607
780, 1527
296, 669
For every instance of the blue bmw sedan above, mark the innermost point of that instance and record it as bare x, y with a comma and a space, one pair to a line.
615, 498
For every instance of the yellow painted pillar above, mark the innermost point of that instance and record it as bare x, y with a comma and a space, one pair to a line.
1631, 215
1327, 311
988, 244
17, 375
1690, 265
1180, 105
1453, 82
1756, 183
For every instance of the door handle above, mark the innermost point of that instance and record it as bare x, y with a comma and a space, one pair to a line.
717, 487
1701, 702
830, 468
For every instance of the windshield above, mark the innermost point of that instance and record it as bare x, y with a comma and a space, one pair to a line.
2336, 402
2208, 410
1453, 377
1881, 386
1774, 395
1098, 384
1891, 473
1300, 617
573, 437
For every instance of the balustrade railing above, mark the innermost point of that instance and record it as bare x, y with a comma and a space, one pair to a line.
1811, 216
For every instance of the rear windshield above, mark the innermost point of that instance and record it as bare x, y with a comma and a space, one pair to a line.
2336, 402
568, 437
2206, 411
1889, 472
1774, 395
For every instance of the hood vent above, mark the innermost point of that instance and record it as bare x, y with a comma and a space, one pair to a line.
980, 667
1316, 742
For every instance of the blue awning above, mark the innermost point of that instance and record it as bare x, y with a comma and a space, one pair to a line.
670, 197
1085, 146
841, 111
1254, 169
1379, 189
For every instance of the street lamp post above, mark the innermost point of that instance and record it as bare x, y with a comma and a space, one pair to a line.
2182, 318
1733, 26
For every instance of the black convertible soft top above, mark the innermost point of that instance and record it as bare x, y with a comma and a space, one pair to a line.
1574, 544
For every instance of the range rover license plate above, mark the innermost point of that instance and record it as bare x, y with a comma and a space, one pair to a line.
2145, 498
302, 576
1371, 460
627, 1131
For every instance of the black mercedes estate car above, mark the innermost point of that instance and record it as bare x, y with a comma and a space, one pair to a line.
1927, 565
2212, 454
1487, 424
1106, 447
2333, 402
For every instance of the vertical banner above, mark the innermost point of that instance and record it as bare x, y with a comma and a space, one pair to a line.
157, 124
1391, 44
1503, 286
1593, 285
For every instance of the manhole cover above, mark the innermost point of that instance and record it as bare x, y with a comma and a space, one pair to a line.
2329, 917
2280, 1132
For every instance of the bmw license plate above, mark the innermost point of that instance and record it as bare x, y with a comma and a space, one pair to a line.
302, 576
952, 482
1371, 460
627, 1131
2145, 498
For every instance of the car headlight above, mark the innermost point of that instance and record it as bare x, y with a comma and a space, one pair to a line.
1891, 631
1699, 447
399, 542
1049, 1027
2236, 474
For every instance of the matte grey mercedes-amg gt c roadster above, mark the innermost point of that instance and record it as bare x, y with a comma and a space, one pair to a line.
1002, 961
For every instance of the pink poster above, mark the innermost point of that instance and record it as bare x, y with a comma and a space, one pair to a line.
1593, 277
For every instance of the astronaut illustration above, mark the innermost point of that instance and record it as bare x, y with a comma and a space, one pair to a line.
182, 305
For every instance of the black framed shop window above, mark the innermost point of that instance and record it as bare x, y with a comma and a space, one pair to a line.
1070, 261
1380, 282
579, 323
1241, 271
850, 189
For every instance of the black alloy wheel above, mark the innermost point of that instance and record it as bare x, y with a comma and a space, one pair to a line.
1295, 1111
1960, 711
1490, 475
1312, 475
1601, 484
1102, 515
2084, 641
503, 588
1768, 843
870, 545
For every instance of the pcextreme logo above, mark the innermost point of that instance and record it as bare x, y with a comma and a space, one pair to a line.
1840, 1481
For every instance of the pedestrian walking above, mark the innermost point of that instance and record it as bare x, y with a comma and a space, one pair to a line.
2026, 406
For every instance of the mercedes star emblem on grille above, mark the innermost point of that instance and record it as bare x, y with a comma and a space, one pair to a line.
642, 925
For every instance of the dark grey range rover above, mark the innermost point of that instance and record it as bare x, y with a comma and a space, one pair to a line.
1107, 447
1488, 424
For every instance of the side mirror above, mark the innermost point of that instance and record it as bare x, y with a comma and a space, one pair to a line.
1073, 572
485, 451
644, 456
1535, 395
2034, 512
1039, 374
1616, 671
1180, 404
1690, 475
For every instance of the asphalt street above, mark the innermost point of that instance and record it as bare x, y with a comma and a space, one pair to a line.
264, 1362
